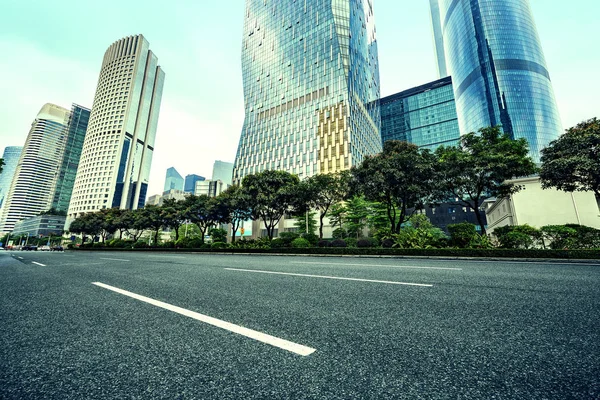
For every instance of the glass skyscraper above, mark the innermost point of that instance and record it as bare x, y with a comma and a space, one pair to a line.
77, 126
493, 53
173, 180
222, 171
311, 86
119, 144
190, 182
11, 158
424, 115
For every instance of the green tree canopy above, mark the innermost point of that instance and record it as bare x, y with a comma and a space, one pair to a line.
238, 204
572, 162
323, 190
173, 214
479, 168
401, 177
272, 194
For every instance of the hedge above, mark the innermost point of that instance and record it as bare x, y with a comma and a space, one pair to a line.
478, 253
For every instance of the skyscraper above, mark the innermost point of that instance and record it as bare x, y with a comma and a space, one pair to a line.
173, 180
77, 126
36, 174
311, 87
438, 38
190, 182
222, 171
11, 158
493, 53
424, 115
119, 143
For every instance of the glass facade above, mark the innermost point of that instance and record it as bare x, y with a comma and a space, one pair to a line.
190, 182
10, 156
36, 174
173, 181
222, 171
438, 38
77, 126
311, 86
424, 116
495, 58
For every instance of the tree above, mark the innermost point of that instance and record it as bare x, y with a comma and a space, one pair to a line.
479, 168
272, 194
135, 222
356, 215
324, 190
204, 212
238, 204
173, 214
572, 162
402, 177
153, 218
90, 224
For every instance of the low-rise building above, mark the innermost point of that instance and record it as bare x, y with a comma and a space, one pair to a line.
539, 207
41, 225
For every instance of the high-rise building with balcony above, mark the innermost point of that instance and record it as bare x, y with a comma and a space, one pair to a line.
36, 176
424, 115
311, 87
11, 158
119, 144
493, 53
173, 181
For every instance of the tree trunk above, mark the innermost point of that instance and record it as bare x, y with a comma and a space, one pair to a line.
478, 216
156, 237
321, 225
177, 232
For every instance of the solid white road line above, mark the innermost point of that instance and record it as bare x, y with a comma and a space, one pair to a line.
37, 263
329, 277
20, 258
240, 330
113, 259
376, 265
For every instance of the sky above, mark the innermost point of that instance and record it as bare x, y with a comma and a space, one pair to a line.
52, 53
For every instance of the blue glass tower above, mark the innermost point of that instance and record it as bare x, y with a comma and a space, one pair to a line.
311, 86
11, 158
424, 115
493, 53
190, 182
173, 180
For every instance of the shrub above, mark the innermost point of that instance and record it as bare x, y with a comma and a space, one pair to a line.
339, 233
311, 237
351, 242
278, 243
387, 243
188, 243
300, 243
220, 245
462, 234
288, 237
167, 245
140, 245
338, 243
364, 242
586, 237
99, 245
518, 236
323, 243
218, 235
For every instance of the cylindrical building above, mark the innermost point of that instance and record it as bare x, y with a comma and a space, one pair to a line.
117, 152
34, 181
493, 53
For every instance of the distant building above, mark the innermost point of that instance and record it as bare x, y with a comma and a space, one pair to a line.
119, 143
210, 188
36, 176
223, 171
41, 225
190, 182
173, 181
11, 157
424, 115
77, 127
159, 199
538, 207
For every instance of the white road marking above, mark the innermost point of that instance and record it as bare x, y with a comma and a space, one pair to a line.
113, 259
37, 263
377, 265
240, 330
166, 256
329, 277
20, 258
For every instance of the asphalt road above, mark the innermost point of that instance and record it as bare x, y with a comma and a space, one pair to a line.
391, 329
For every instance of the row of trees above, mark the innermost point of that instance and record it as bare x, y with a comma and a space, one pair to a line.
395, 183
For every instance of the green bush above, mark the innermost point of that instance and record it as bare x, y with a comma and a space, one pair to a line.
518, 236
300, 243
220, 246
339, 233
387, 243
367, 242
288, 237
338, 243
167, 245
218, 235
462, 234
351, 242
323, 243
586, 237
278, 243
311, 237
